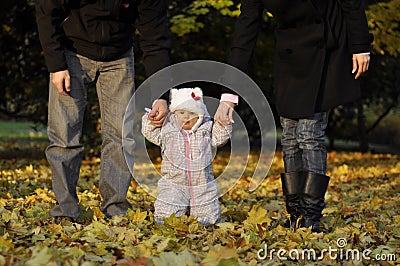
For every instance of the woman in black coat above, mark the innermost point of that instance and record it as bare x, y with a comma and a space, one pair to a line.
322, 47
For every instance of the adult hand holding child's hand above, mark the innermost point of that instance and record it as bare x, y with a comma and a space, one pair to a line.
224, 113
158, 112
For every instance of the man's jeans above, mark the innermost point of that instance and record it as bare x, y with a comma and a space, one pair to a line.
303, 143
115, 85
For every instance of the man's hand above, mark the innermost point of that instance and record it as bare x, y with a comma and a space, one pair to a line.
224, 113
61, 80
158, 112
360, 64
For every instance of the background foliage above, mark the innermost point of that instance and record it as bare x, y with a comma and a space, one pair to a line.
203, 30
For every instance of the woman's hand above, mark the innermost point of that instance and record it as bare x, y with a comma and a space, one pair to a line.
360, 64
224, 113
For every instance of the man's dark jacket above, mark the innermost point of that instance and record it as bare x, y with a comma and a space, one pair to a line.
103, 30
315, 40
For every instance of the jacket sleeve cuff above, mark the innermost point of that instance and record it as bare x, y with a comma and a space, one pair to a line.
359, 49
227, 97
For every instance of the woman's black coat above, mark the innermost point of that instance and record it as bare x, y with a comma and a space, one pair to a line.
315, 40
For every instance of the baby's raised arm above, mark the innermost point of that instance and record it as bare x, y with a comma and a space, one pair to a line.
220, 134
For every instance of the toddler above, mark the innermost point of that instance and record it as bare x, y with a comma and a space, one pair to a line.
187, 140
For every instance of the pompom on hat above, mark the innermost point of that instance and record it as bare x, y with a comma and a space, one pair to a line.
188, 99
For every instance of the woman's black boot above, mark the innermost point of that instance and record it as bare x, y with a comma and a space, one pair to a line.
292, 187
312, 200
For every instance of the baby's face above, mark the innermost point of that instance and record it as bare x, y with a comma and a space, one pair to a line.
186, 119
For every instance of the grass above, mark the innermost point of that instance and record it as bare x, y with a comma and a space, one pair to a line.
22, 140
22, 130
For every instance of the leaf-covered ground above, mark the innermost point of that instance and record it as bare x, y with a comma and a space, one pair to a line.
361, 218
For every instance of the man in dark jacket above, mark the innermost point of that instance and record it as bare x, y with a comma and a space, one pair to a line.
322, 47
90, 42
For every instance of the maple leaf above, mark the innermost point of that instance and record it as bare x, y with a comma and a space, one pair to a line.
177, 223
40, 256
136, 216
173, 259
257, 215
221, 256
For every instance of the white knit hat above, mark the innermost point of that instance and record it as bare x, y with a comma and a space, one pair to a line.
188, 99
